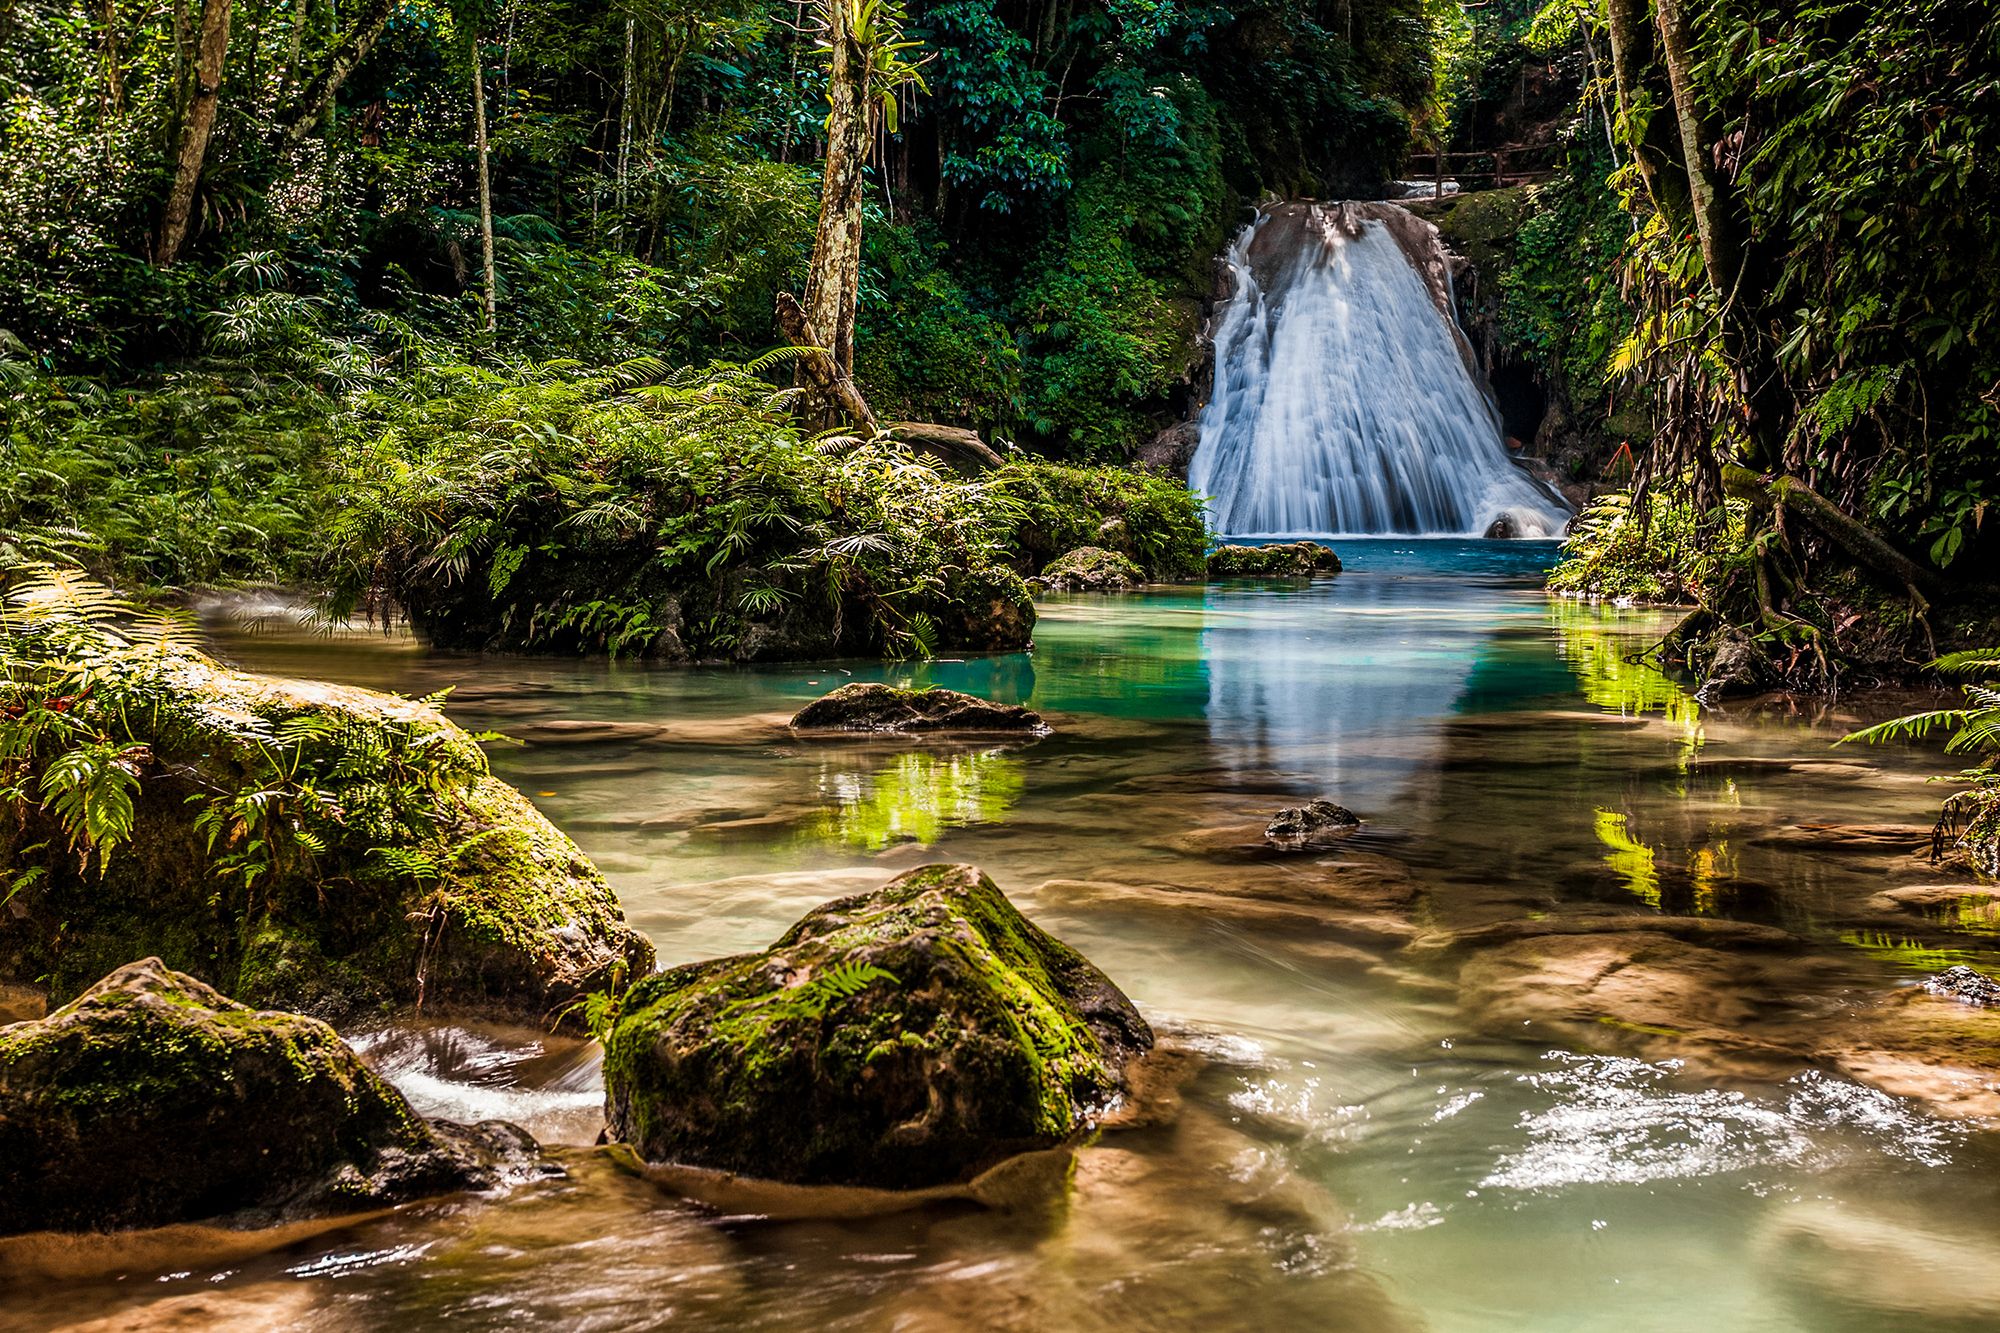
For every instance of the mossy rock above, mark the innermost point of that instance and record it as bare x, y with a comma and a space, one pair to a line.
433, 883
904, 1038
1314, 825
1277, 560
151, 1099
1090, 569
872, 706
985, 609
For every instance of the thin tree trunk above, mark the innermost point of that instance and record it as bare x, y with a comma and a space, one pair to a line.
485, 189
832, 287
1655, 146
114, 77
315, 102
196, 127
1714, 224
625, 118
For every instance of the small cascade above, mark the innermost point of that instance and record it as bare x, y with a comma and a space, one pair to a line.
1346, 400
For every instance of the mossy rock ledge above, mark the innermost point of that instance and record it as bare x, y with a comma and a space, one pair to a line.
1089, 569
1278, 560
900, 1039
151, 1099
432, 883
872, 706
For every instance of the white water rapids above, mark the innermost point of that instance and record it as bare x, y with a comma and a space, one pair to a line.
1342, 404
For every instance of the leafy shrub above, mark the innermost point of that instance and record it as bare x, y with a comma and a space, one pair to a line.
672, 514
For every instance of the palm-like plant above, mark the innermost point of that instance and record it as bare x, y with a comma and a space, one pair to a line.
1970, 820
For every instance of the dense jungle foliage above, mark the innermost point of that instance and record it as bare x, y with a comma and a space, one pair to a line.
1750, 282
289, 292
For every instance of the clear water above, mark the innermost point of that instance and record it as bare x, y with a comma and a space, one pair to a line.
1343, 403
1375, 1141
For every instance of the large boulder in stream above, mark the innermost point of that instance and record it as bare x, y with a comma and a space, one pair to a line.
151, 1099
1277, 560
872, 706
900, 1039
310, 847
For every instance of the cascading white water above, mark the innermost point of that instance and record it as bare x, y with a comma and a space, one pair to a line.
1343, 404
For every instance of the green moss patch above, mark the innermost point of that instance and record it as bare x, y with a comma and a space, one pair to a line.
902, 1038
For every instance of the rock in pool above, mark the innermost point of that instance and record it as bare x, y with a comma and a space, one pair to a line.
909, 1037
1315, 824
1089, 569
1279, 560
151, 1099
1965, 983
869, 706
316, 848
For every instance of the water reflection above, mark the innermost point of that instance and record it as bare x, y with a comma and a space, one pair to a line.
915, 797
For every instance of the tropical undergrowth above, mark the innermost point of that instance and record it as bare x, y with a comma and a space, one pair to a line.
684, 515
1968, 828
101, 696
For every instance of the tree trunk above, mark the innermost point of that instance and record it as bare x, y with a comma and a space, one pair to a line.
196, 127
1861, 543
485, 188
1655, 145
832, 287
315, 101
114, 77
1714, 219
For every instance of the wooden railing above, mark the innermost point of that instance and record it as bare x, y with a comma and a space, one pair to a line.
1498, 168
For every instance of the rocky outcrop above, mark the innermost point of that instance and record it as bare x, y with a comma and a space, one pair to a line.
871, 706
1278, 560
1172, 450
1090, 569
1314, 824
1966, 984
151, 1099
316, 848
900, 1039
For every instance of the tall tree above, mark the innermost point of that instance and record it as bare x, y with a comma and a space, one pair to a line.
485, 186
867, 69
197, 124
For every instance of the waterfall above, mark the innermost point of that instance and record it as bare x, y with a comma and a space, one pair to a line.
1345, 400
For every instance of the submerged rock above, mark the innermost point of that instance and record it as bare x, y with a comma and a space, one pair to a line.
871, 706
1279, 560
151, 1099
1735, 666
317, 848
1314, 824
903, 1038
1965, 983
1090, 569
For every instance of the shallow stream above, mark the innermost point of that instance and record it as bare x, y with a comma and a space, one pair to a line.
1454, 1076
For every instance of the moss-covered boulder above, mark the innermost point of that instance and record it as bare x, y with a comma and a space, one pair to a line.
151, 1099
309, 847
1090, 569
903, 1038
1277, 560
871, 706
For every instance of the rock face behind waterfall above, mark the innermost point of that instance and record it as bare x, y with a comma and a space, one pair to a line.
904, 1038
1345, 400
151, 1099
